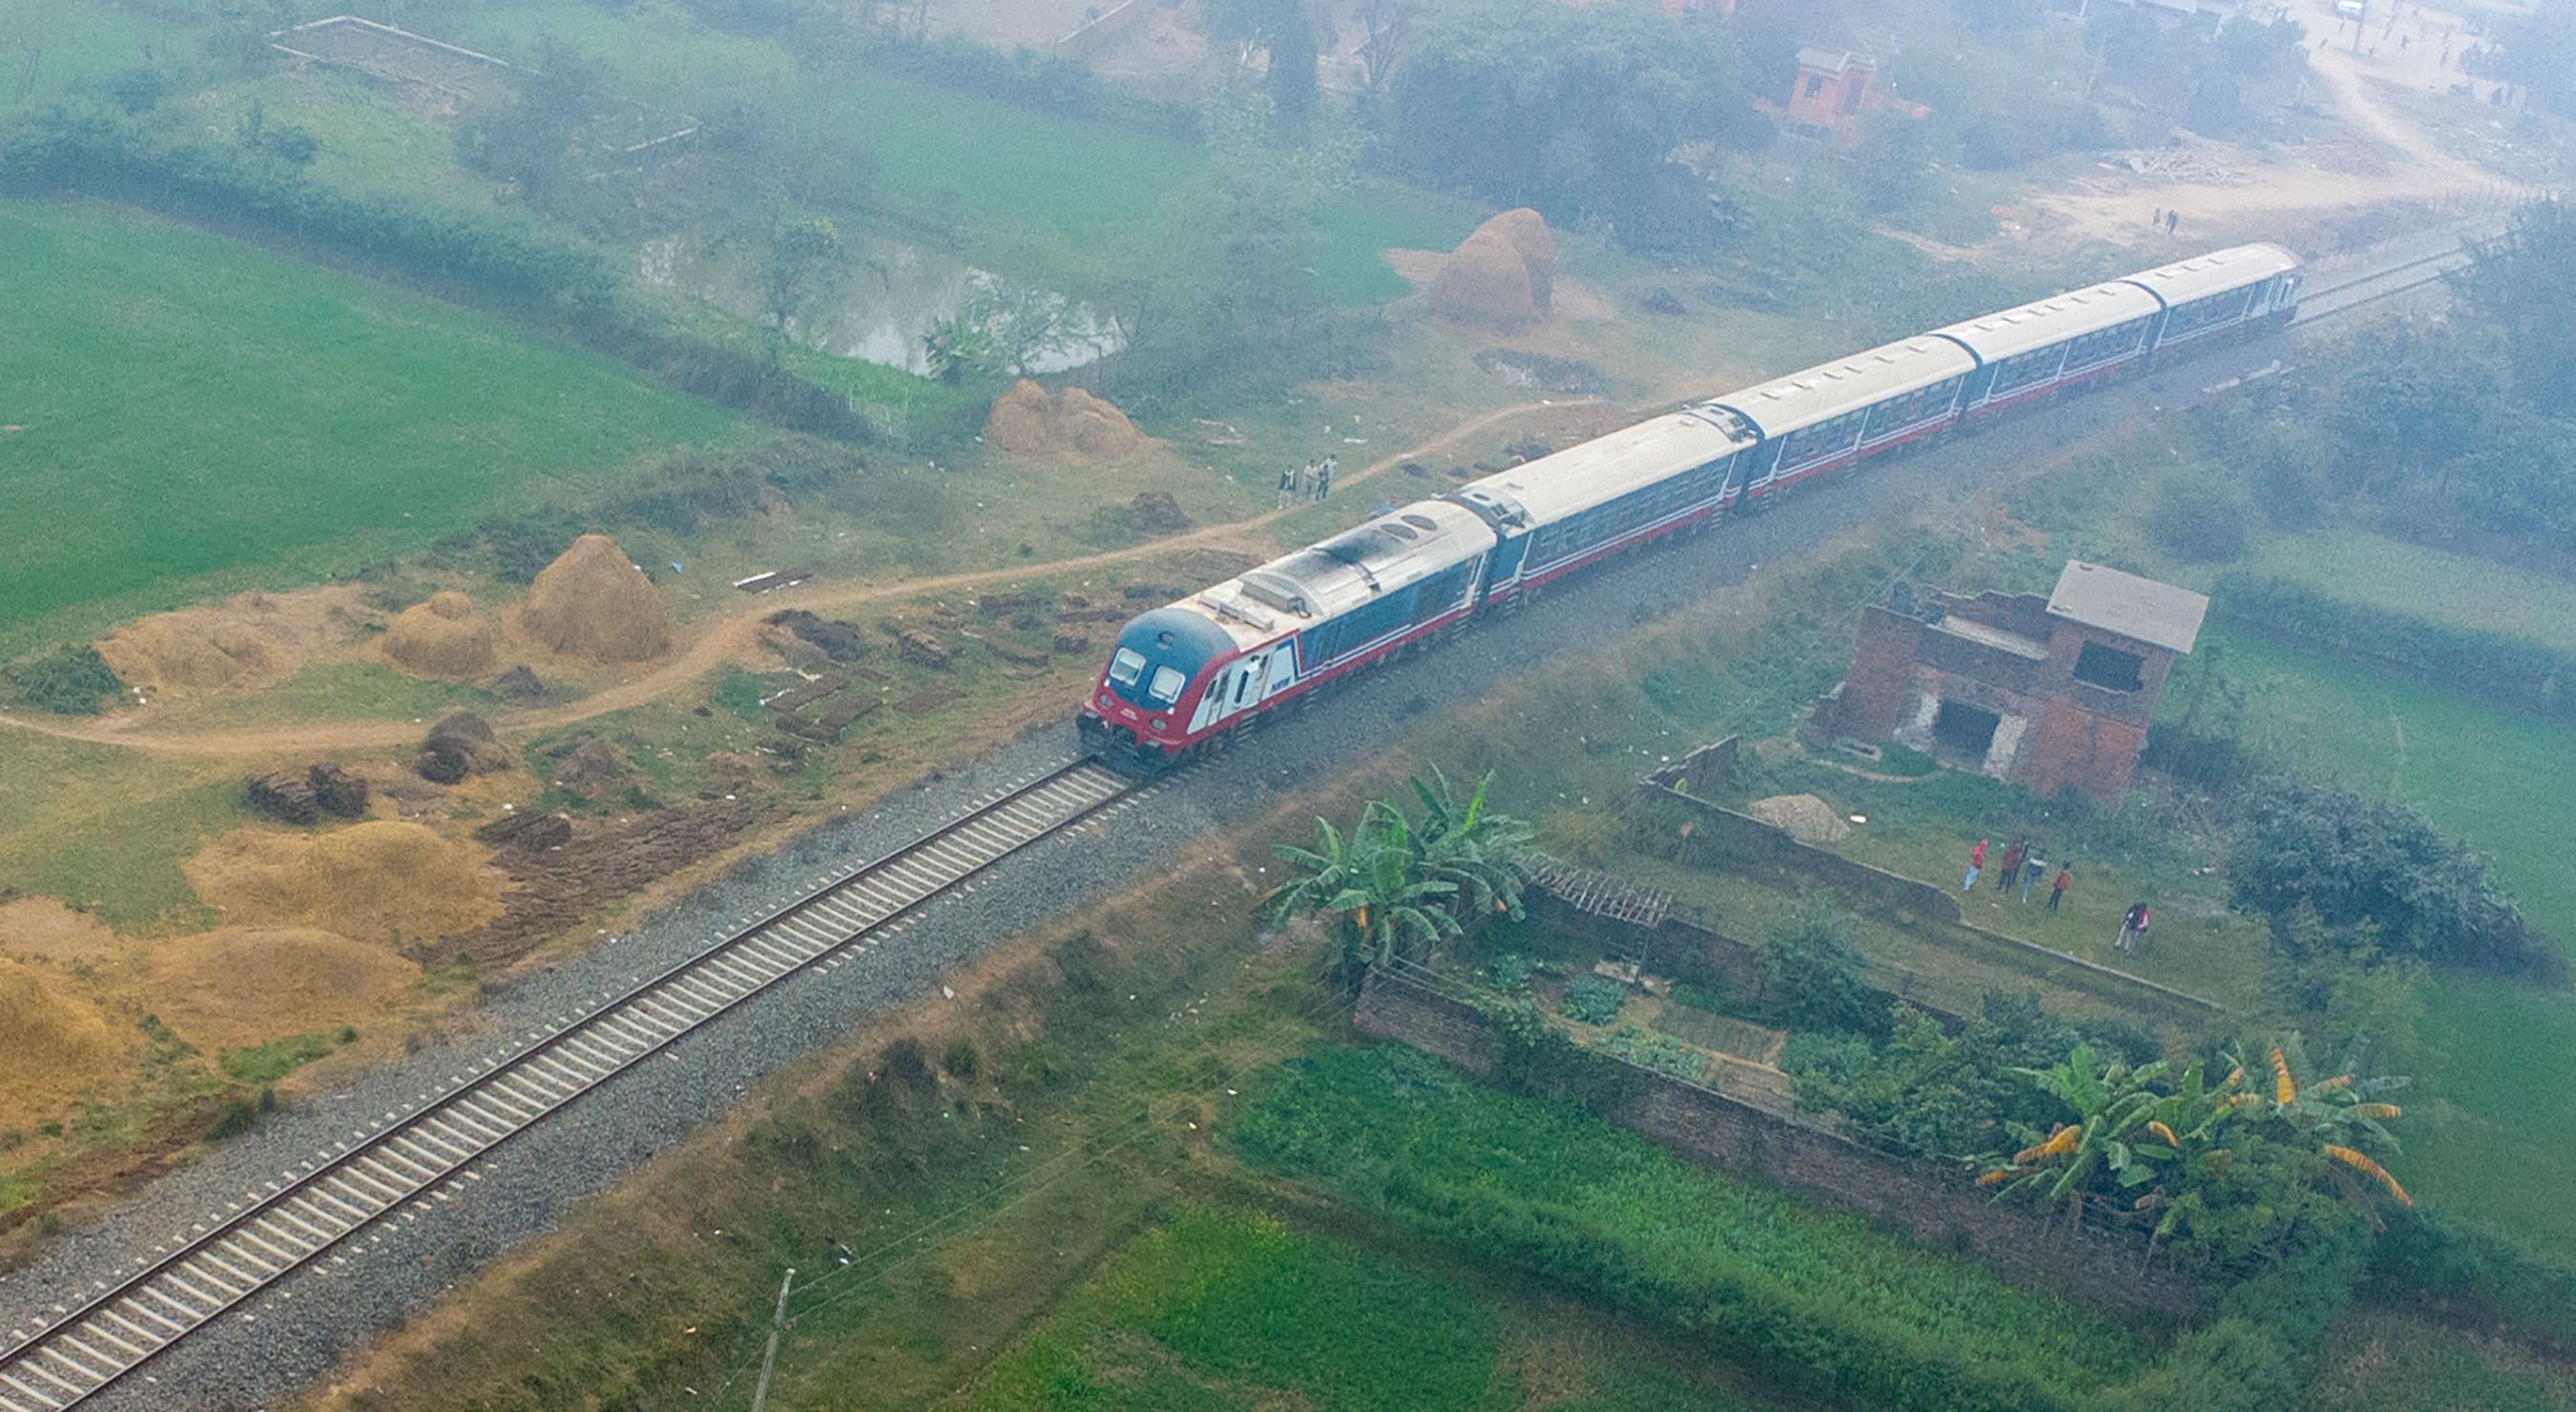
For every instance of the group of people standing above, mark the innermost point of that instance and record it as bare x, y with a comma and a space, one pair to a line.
2024, 863
2022, 866
1315, 482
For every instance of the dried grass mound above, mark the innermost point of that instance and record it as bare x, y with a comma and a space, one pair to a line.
376, 881
51, 1045
591, 602
444, 637
240, 986
247, 641
1022, 421
1527, 231
1807, 818
1095, 427
45, 929
1486, 282
1026, 422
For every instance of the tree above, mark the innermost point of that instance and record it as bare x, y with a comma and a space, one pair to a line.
1002, 330
1393, 886
1293, 62
803, 255
2523, 287
2336, 1117
529, 142
1385, 26
2540, 53
2108, 1149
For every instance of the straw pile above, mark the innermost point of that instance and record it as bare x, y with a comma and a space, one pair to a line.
1504, 274
239, 986
247, 641
1807, 818
444, 637
378, 881
593, 603
1026, 422
51, 1044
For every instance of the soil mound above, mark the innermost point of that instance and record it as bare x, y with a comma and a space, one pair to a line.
51, 1044
245, 642
461, 745
444, 637
239, 986
1807, 818
43, 928
593, 603
520, 686
1503, 274
1026, 422
376, 881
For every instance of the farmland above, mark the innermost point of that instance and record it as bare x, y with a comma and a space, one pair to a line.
183, 407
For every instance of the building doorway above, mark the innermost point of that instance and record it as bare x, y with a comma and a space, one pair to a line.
1970, 730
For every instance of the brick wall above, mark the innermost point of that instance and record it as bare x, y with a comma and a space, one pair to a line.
2099, 1267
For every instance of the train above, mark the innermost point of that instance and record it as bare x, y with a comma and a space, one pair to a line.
1191, 675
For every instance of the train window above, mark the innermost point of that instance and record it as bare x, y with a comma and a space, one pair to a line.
1399, 531
1243, 680
1422, 522
1125, 667
1167, 685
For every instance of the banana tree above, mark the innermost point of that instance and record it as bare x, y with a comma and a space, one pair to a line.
1466, 845
1367, 882
2107, 1151
2337, 1116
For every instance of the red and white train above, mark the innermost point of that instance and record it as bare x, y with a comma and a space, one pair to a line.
1194, 673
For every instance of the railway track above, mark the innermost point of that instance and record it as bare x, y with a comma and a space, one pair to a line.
2387, 283
410, 1158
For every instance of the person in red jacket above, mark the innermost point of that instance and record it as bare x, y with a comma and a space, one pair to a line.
1976, 865
2007, 871
2057, 890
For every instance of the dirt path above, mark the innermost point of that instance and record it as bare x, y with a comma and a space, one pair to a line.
729, 637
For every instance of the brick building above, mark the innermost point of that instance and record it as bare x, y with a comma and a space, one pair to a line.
2043, 692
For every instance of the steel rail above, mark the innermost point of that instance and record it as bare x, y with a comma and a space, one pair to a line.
413, 1155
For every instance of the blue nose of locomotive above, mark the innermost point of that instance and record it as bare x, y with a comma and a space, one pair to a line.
1159, 654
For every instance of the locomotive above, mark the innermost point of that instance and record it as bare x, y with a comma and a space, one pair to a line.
1192, 674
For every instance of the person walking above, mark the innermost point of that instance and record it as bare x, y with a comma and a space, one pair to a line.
2155, 218
2133, 928
2033, 868
2057, 889
1287, 486
2172, 219
1306, 479
2010, 868
1976, 865
1324, 477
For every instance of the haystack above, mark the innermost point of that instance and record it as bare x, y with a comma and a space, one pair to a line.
444, 637
52, 1044
1022, 421
376, 881
1503, 274
593, 603
41, 927
247, 641
1026, 422
1095, 427
1807, 818
240, 986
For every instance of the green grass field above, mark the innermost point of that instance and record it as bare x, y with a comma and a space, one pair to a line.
2501, 1055
2398, 577
1011, 187
180, 405
1230, 1308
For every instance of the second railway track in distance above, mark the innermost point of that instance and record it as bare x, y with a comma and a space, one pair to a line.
409, 1156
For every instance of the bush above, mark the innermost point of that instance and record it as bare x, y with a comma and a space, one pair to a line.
1594, 1000
1814, 972
2374, 875
2200, 518
523, 545
71, 680
2478, 1271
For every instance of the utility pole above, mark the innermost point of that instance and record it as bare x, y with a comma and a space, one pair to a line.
769, 1360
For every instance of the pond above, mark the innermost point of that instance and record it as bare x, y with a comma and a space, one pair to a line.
882, 302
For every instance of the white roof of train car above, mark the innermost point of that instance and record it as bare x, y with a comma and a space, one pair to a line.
1995, 337
1603, 469
1392, 551
1821, 394
2216, 272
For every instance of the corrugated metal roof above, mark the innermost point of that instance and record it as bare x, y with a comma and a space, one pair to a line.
1605, 468
1392, 551
2216, 272
1995, 337
2157, 614
1821, 394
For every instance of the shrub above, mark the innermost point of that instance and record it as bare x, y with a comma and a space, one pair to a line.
1814, 971
2200, 518
1594, 1000
71, 680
